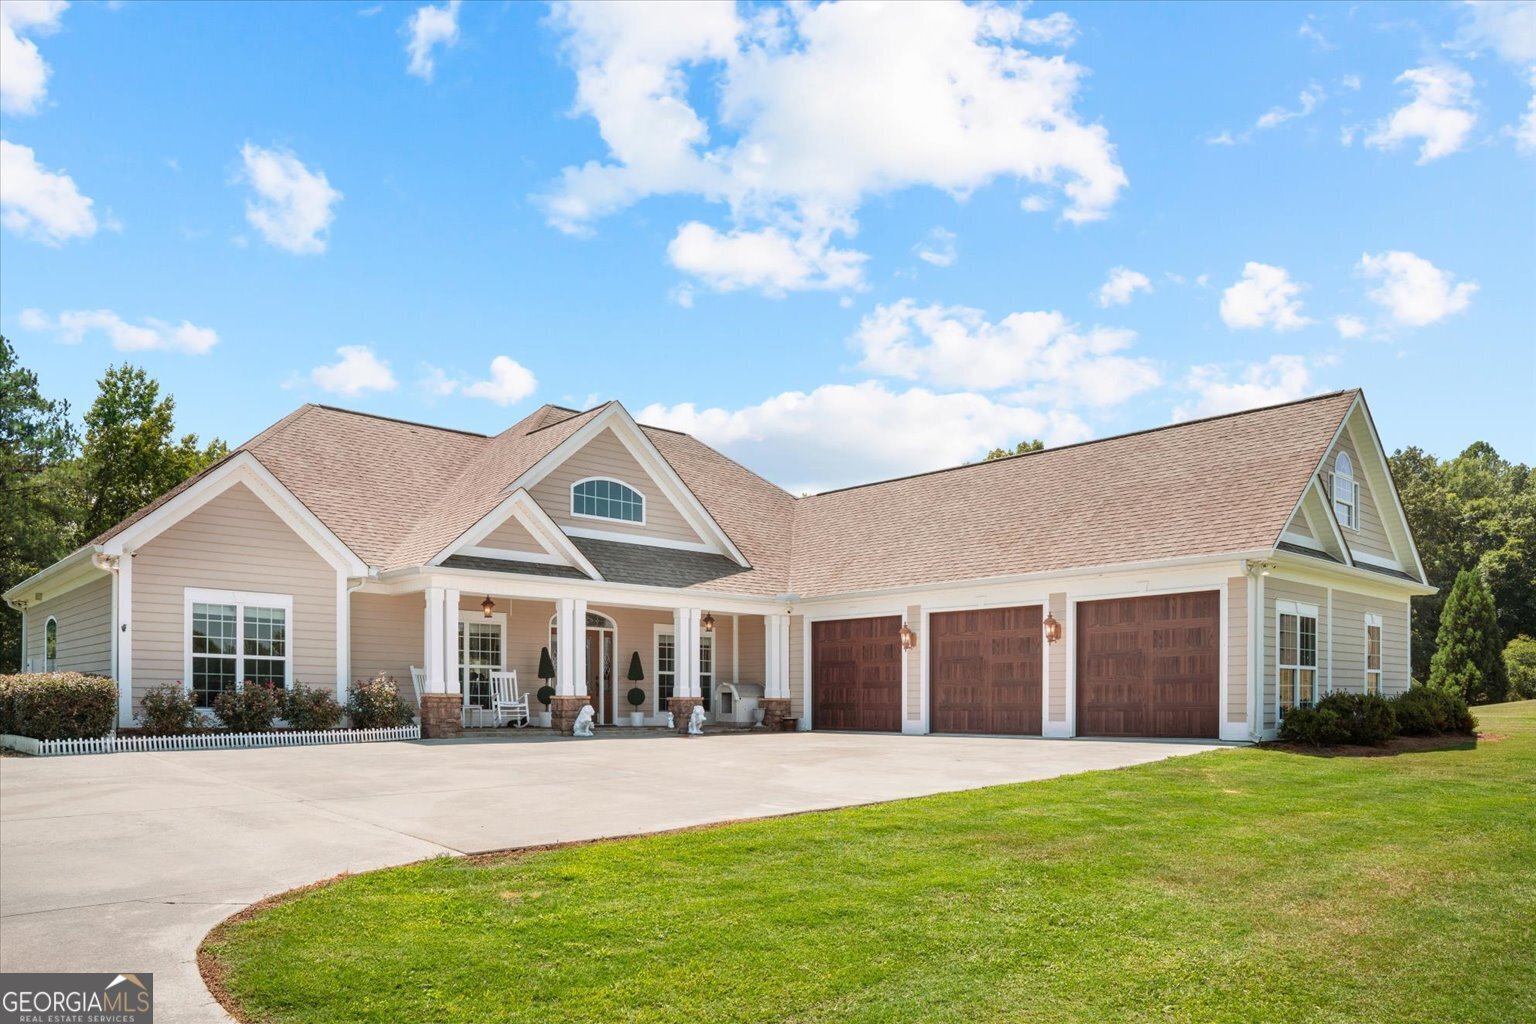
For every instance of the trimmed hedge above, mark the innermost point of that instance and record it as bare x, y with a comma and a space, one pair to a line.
57, 705
1370, 719
1429, 711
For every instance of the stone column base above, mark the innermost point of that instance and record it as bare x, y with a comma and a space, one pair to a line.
563, 712
442, 716
775, 710
682, 708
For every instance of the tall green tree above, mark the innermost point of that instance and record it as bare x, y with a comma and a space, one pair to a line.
1023, 447
129, 457
1469, 650
37, 523
1520, 663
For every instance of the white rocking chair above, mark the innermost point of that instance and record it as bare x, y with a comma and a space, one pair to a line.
506, 703
418, 683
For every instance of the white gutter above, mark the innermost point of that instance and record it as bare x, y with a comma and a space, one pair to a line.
74, 559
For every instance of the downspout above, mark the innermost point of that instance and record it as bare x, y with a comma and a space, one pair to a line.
108, 563
1256, 571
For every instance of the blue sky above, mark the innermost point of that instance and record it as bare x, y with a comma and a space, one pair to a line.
838, 243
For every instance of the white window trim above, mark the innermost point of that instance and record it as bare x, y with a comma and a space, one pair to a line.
612, 693
1372, 619
50, 664
461, 639
713, 675
1353, 487
1301, 611
644, 504
662, 630
240, 599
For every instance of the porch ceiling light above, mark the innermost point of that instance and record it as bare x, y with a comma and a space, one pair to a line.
707, 623
908, 637
487, 606
1052, 629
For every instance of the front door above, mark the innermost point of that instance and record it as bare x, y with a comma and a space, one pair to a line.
600, 673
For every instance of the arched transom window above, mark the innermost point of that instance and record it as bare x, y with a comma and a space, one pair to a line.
1346, 493
601, 498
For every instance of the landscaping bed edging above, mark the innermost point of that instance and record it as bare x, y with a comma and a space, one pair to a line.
113, 744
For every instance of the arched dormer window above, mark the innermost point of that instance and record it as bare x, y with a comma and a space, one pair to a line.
601, 498
1346, 493
50, 643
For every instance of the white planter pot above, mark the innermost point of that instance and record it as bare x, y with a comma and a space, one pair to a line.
542, 719
637, 718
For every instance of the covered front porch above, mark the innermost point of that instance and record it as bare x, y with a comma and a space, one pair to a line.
728, 660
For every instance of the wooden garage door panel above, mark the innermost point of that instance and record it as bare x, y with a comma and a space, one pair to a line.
985, 670
1150, 666
856, 674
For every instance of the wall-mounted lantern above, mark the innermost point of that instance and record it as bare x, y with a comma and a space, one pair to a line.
707, 623
487, 606
908, 637
1052, 629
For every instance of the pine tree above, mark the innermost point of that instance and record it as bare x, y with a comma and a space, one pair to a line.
1469, 651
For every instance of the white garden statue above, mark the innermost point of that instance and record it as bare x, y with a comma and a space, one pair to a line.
696, 721
671, 722
583, 721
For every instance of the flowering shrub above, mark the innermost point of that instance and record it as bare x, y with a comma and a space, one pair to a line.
168, 711
57, 705
376, 704
249, 708
311, 708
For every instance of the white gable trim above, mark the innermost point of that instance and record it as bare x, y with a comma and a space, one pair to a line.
1334, 530
1404, 534
624, 427
520, 505
241, 468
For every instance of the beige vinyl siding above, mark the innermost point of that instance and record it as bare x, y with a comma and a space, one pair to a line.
1371, 537
606, 456
387, 636
1276, 589
914, 669
1349, 612
797, 667
527, 634
754, 650
84, 639
1056, 659
234, 542
511, 535
1237, 649
1298, 525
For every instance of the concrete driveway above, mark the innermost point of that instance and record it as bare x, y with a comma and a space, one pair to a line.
123, 862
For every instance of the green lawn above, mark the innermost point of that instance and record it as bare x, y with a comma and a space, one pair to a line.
1239, 885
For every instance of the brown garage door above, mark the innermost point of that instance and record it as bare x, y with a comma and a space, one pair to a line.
984, 670
1149, 666
856, 674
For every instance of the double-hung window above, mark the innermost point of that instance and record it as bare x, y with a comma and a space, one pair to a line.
1296, 632
233, 637
1373, 654
1346, 493
666, 669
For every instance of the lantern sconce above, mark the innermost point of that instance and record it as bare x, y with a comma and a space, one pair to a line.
487, 606
908, 637
1052, 629
707, 623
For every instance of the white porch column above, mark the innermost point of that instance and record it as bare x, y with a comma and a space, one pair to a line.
434, 656
570, 647
685, 629
776, 656
451, 640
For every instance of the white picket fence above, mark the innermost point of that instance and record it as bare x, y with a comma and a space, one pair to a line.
206, 741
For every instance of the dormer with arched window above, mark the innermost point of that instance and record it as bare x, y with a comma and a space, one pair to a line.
606, 498
1346, 493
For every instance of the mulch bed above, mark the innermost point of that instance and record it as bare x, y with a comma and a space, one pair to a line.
1391, 748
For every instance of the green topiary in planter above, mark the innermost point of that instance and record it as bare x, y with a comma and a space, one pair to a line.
635, 674
546, 694
636, 697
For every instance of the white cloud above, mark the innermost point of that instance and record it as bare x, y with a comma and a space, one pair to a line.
357, 371
293, 207
1413, 291
72, 326
1525, 131
38, 203
509, 382
1281, 378
1122, 284
819, 115
1035, 204
1310, 32
1350, 82
1349, 326
1504, 26
1038, 353
769, 260
23, 72
429, 28
843, 434
436, 383
1440, 113
938, 248
1265, 297
1307, 102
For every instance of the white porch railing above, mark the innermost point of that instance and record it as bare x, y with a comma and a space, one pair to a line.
205, 741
